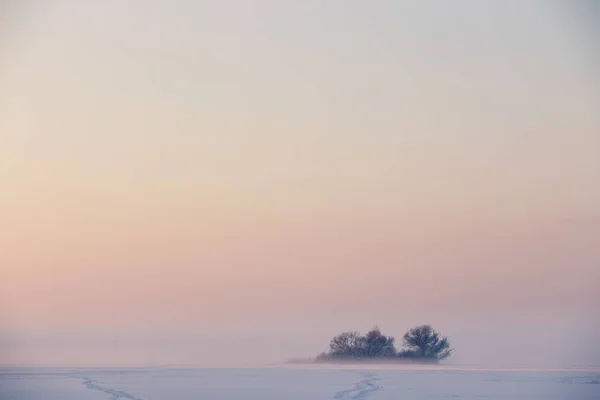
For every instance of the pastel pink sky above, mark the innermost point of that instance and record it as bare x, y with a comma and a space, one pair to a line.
176, 176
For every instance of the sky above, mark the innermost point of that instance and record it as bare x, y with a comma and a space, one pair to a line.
230, 182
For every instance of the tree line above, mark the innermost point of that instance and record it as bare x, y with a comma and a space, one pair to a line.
419, 343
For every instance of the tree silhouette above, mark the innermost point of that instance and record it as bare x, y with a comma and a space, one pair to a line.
425, 342
352, 344
420, 343
347, 344
378, 345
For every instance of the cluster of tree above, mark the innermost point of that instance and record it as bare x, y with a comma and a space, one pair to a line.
421, 342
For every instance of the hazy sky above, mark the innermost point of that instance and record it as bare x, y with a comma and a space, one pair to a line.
238, 181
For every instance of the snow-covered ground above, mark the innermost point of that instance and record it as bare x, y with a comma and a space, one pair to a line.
294, 383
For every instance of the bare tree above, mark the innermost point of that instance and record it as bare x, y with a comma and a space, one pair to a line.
378, 345
347, 344
373, 344
425, 342
421, 342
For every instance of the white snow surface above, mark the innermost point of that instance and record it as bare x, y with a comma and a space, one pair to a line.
294, 383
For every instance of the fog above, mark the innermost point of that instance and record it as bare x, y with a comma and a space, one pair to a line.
227, 184
503, 302
519, 301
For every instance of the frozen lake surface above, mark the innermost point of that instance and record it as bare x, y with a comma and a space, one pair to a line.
293, 383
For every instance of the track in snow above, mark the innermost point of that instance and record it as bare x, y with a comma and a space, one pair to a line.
114, 394
361, 390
